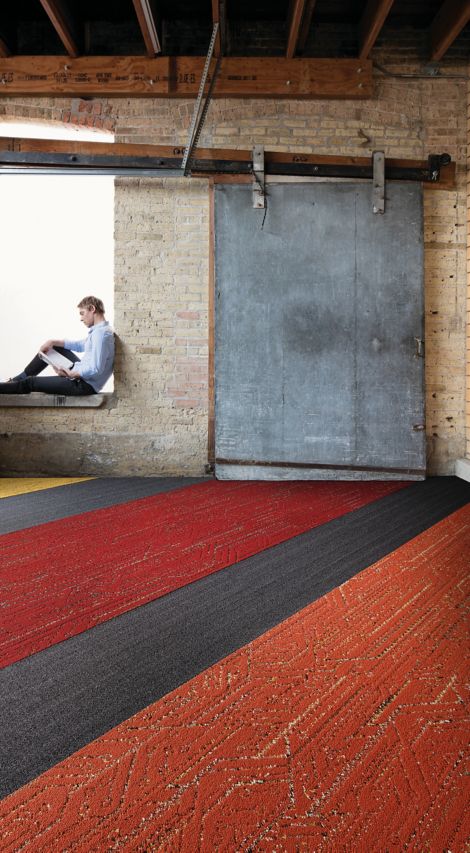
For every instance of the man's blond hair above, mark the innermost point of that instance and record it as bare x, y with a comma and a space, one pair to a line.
92, 302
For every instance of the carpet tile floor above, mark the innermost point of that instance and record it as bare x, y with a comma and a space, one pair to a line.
342, 727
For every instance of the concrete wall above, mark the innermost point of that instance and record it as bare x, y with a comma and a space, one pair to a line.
158, 423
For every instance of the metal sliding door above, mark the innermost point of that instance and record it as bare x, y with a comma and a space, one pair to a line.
319, 327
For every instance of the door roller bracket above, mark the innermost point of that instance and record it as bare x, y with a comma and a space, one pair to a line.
378, 182
259, 193
419, 350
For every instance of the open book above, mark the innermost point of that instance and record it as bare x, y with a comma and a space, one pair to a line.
56, 359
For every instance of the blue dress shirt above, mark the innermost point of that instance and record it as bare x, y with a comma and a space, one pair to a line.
96, 366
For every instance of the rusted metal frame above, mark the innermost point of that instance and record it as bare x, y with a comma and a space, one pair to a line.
446, 26
148, 26
200, 108
211, 319
110, 164
60, 20
319, 465
297, 11
371, 23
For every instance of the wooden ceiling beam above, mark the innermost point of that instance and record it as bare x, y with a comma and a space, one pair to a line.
446, 26
219, 17
179, 76
294, 23
4, 48
306, 24
60, 20
371, 23
148, 26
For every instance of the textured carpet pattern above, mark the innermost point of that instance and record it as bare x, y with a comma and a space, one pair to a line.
99, 678
33, 508
24, 485
344, 728
64, 577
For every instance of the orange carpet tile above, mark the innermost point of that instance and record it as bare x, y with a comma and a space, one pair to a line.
343, 729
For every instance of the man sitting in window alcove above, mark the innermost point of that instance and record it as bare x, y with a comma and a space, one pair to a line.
83, 376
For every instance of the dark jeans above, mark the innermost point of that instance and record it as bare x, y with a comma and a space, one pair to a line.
29, 380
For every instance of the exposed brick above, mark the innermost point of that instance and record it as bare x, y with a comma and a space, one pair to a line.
162, 250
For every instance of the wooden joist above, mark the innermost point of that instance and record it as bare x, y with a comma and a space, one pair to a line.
273, 159
60, 20
306, 24
219, 17
4, 48
179, 76
147, 26
448, 23
371, 23
297, 11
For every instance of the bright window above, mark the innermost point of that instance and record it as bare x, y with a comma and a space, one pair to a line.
56, 239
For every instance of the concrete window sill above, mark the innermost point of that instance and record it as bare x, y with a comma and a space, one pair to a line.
36, 398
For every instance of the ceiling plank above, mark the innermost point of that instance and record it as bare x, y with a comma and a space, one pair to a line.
448, 23
179, 76
371, 23
4, 49
148, 26
294, 23
306, 23
60, 20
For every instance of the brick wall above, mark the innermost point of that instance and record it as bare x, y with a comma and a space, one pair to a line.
158, 424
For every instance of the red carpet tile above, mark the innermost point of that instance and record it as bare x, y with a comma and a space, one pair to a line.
61, 578
343, 729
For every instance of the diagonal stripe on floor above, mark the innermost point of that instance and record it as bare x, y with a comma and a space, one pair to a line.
93, 681
66, 576
25, 485
28, 510
345, 723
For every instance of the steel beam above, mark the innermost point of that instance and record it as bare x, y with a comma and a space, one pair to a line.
32, 161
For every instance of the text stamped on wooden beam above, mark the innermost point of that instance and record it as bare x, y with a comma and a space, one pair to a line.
179, 76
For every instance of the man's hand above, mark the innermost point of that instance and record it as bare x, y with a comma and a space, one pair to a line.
66, 372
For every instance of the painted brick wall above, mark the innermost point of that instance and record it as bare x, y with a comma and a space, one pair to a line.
158, 423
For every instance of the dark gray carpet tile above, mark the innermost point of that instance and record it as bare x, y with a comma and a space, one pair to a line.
29, 510
58, 700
